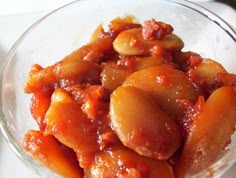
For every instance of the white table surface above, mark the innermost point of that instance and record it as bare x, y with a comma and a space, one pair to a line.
15, 17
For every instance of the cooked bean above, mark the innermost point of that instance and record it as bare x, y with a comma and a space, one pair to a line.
79, 65
210, 132
141, 125
131, 42
150, 61
204, 75
122, 162
166, 85
64, 70
48, 151
113, 76
66, 121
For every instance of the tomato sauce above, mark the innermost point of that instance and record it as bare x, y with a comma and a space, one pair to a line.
130, 103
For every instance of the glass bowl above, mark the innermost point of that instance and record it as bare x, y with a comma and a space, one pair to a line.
67, 28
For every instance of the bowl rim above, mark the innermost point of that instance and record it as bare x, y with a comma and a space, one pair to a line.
17, 148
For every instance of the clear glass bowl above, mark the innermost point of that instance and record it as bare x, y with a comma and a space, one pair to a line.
69, 27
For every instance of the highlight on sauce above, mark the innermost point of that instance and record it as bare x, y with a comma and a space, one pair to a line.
130, 103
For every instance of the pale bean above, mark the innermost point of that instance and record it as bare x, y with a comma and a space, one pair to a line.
48, 151
67, 122
141, 125
122, 162
81, 64
113, 76
210, 133
150, 61
64, 70
166, 85
206, 71
131, 42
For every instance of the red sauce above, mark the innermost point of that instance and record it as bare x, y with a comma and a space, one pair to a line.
71, 104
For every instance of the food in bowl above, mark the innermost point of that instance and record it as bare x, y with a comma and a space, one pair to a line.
131, 103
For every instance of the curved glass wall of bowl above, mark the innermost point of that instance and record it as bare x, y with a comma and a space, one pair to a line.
66, 29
